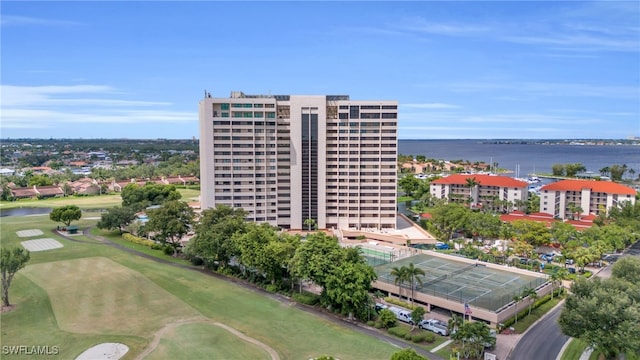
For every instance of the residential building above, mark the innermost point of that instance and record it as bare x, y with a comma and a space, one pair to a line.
481, 190
286, 159
568, 198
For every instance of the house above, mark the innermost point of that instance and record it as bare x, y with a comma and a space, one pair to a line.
49, 191
85, 186
480, 190
574, 199
37, 192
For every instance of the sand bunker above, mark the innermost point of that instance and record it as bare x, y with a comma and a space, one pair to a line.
41, 244
29, 233
104, 351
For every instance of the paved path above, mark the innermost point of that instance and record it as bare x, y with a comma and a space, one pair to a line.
586, 354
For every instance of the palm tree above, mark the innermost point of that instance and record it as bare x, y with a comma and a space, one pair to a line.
454, 323
400, 276
531, 294
472, 183
517, 298
556, 277
414, 274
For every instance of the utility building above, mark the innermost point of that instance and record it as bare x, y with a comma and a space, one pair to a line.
297, 161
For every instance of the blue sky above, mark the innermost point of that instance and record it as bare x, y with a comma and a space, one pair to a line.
476, 69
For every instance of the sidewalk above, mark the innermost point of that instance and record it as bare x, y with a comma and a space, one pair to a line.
504, 345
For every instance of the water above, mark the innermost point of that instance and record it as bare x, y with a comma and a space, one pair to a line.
24, 211
531, 158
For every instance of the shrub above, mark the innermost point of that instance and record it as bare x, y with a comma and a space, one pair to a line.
429, 337
418, 338
408, 336
399, 303
378, 324
370, 323
138, 240
168, 250
387, 318
306, 298
197, 261
272, 288
400, 331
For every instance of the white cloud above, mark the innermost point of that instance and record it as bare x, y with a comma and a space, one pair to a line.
32, 107
15, 20
429, 106
550, 89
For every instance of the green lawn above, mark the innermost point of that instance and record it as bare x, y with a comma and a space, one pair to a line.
86, 202
204, 341
87, 293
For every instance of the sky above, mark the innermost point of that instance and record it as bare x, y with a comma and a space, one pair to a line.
459, 70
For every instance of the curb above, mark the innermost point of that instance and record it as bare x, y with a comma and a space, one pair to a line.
532, 325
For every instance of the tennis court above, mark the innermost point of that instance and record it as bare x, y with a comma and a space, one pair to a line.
377, 254
463, 282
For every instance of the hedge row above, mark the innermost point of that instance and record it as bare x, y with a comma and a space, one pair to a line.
524, 312
138, 240
306, 298
395, 301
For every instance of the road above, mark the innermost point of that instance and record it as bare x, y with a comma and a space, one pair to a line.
543, 340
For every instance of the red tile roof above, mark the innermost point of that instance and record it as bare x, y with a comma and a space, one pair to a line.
608, 187
482, 179
545, 218
50, 190
23, 192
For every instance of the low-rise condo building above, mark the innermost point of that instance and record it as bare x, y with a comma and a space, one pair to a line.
576, 198
481, 190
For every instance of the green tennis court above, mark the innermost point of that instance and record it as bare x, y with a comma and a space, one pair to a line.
464, 282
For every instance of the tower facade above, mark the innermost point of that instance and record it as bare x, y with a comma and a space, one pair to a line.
286, 159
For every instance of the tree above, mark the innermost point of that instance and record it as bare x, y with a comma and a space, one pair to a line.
532, 295
416, 316
347, 288
517, 298
414, 274
310, 224
556, 277
212, 242
400, 275
605, 313
315, 257
66, 214
617, 171
140, 197
627, 268
407, 354
573, 169
170, 223
11, 260
40, 180
454, 323
409, 184
472, 184
473, 338
387, 318
557, 169
116, 218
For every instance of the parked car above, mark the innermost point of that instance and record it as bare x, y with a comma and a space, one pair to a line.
437, 326
572, 270
442, 246
569, 261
